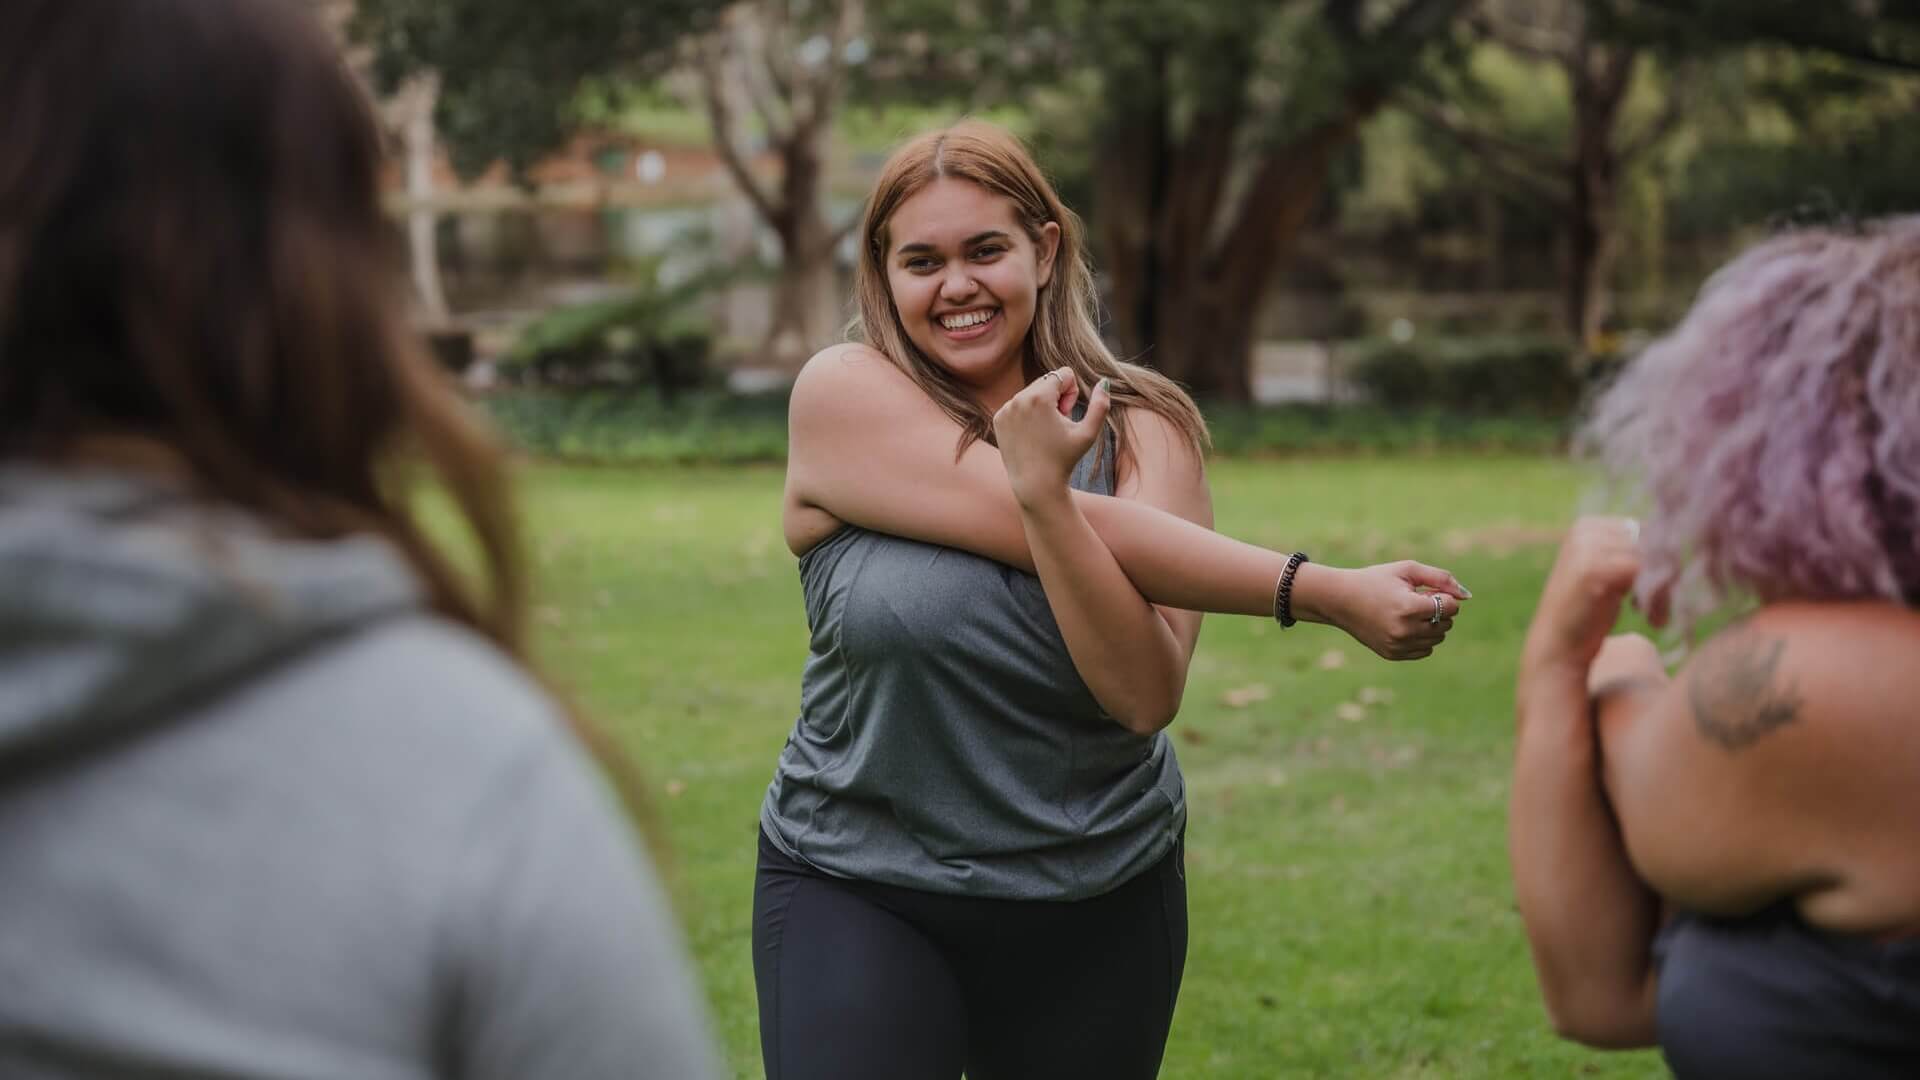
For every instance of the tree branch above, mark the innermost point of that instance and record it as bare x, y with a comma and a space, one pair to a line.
1538, 173
1662, 126
752, 42
720, 117
1887, 37
1532, 43
822, 86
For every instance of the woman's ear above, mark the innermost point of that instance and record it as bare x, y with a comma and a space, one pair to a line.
1049, 246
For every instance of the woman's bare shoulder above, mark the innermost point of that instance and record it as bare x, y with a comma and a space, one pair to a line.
1158, 455
1789, 748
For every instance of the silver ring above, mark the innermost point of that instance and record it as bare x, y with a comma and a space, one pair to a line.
1439, 609
1055, 376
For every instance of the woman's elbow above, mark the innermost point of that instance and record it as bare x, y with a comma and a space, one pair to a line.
1603, 1020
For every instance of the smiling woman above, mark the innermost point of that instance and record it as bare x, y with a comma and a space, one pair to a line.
970, 853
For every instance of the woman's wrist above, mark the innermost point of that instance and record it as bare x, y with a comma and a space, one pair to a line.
1317, 594
1043, 502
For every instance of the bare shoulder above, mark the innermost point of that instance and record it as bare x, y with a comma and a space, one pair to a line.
1159, 455
1781, 761
1771, 676
838, 368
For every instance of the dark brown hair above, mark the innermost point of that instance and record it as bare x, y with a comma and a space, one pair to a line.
193, 253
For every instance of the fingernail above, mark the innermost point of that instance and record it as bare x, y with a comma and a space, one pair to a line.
1464, 591
1104, 385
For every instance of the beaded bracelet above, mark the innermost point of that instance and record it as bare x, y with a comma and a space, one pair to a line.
1283, 592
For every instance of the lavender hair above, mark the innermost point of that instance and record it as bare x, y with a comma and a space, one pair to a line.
1773, 439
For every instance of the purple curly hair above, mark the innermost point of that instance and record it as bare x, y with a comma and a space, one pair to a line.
1773, 438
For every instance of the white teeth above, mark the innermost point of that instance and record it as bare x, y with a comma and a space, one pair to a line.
962, 321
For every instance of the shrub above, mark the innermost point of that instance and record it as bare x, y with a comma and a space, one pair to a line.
652, 335
1481, 376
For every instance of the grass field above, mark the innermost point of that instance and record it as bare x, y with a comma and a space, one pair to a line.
1350, 904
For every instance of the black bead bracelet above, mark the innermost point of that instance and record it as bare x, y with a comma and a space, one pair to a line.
1283, 592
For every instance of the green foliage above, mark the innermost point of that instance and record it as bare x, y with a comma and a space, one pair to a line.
1802, 138
1885, 33
616, 427
651, 334
1251, 431
1473, 376
511, 72
631, 428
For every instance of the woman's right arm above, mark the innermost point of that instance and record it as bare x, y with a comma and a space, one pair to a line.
1590, 920
869, 448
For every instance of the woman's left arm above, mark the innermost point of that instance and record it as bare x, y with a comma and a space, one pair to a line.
1132, 654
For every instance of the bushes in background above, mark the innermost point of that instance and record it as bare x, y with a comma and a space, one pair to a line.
1482, 376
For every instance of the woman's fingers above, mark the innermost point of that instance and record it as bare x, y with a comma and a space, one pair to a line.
1432, 577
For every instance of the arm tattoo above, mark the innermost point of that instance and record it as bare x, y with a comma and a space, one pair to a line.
1732, 690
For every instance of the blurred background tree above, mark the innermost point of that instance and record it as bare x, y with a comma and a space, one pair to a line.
1262, 178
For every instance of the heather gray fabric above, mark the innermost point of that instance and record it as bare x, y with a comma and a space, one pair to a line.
945, 741
262, 817
1771, 998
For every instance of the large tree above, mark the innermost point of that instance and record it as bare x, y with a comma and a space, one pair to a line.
1607, 52
1221, 127
1213, 129
1578, 182
772, 73
769, 74
510, 73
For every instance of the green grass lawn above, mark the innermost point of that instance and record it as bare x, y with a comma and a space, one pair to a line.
1351, 909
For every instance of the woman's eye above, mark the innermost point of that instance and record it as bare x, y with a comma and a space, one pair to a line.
988, 251
921, 265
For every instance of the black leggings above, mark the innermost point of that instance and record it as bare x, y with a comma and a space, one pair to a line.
860, 981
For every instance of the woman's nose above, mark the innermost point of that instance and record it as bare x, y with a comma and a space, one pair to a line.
958, 285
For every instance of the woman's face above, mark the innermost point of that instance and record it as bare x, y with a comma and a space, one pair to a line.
965, 278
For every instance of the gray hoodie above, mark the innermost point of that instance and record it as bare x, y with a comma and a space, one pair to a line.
262, 816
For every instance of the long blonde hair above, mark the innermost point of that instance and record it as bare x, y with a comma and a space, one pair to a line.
1065, 330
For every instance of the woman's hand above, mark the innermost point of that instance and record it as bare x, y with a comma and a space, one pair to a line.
1383, 606
1039, 442
1581, 601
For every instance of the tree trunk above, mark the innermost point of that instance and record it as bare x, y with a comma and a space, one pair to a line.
1130, 194
1593, 244
1207, 305
1601, 77
417, 98
804, 291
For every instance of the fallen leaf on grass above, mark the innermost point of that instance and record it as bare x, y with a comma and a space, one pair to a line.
1351, 712
1332, 660
1374, 695
675, 788
1243, 696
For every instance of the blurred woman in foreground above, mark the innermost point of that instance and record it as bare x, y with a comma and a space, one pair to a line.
278, 794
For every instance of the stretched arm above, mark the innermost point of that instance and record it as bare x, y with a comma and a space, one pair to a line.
1133, 655
869, 448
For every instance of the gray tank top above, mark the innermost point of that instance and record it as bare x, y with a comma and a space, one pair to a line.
945, 741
